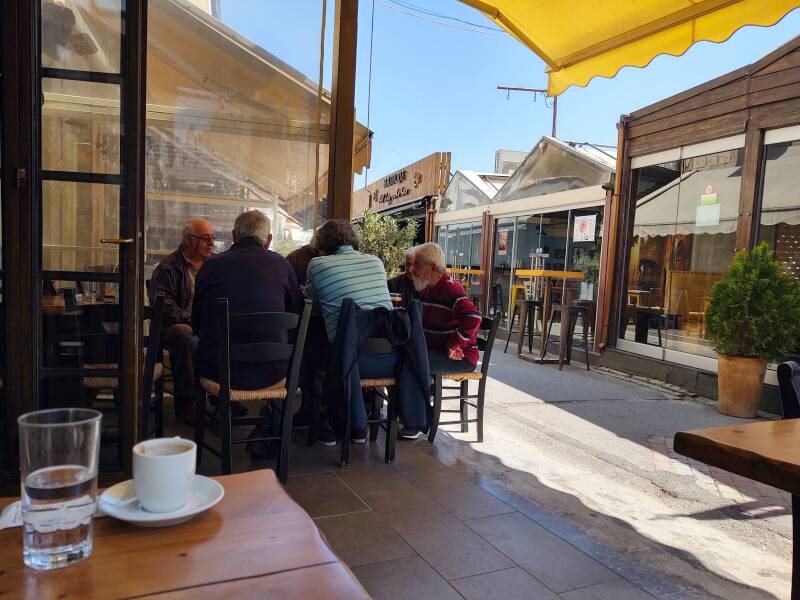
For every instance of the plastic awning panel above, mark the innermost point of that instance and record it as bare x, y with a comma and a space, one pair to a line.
582, 39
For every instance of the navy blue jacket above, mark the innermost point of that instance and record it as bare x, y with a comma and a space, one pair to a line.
254, 280
403, 328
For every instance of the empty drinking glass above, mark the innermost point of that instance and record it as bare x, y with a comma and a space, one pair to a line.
59, 450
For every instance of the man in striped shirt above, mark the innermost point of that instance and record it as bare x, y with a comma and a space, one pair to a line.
343, 272
450, 319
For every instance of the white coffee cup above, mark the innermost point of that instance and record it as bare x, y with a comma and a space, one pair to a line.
163, 470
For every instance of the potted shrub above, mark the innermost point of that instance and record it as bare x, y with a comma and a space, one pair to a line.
387, 238
753, 318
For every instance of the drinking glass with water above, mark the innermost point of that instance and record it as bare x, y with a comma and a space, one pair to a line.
59, 450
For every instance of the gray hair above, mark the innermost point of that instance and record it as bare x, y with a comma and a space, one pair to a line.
431, 253
252, 224
411, 251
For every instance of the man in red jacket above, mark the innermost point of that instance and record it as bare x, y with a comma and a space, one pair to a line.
449, 318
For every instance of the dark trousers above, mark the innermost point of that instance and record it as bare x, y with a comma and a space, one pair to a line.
177, 340
316, 357
440, 363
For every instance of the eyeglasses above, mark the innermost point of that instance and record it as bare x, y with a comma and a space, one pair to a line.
208, 239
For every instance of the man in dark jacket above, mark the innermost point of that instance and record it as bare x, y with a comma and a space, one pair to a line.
254, 279
175, 278
403, 284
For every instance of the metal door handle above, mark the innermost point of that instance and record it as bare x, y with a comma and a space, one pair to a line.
119, 241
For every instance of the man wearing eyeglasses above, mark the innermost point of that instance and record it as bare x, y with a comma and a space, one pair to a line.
175, 277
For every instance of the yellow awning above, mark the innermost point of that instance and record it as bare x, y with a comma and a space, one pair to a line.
581, 39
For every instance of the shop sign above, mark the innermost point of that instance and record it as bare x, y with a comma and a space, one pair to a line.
707, 213
502, 242
584, 227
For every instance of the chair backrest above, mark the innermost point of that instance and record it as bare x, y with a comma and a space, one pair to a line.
489, 326
376, 346
789, 383
255, 326
152, 341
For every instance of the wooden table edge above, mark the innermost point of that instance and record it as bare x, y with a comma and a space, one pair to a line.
783, 476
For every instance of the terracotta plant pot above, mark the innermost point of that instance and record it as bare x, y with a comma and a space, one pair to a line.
739, 385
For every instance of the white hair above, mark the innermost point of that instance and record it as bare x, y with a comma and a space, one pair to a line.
411, 251
431, 253
252, 224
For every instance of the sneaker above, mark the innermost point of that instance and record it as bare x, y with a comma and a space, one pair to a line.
409, 434
358, 436
325, 437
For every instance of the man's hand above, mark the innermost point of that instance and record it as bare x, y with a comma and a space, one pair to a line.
455, 353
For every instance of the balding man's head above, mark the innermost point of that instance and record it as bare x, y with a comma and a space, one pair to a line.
198, 239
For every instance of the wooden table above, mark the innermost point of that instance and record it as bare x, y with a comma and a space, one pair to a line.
767, 452
256, 543
549, 277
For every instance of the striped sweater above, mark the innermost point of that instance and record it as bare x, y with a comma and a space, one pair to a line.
346, 274
450, 319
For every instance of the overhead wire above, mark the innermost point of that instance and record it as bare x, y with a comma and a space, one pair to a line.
431, 20
431, 13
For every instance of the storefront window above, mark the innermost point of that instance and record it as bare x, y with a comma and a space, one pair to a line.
586, 231
780, 204
503, 251
684, 237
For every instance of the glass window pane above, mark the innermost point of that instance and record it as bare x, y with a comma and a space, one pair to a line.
74, 218
654, 224
703, 245
233, 124
584, 250
83, 35
80, 126
780, 205
503, 252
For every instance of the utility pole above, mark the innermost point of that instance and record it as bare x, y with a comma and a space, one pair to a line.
535, 92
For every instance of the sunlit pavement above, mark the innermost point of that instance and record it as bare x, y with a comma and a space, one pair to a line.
595, 450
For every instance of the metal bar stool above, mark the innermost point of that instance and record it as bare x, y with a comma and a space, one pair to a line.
567, 318
527, 321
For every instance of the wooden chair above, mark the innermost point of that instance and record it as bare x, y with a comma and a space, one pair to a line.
99, 352
488, 326
789, 384
233, 353
382, 389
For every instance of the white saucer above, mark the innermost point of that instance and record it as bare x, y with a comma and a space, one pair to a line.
120, 502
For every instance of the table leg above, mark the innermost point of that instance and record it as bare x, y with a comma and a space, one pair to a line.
546, 299
642, 327
795, 547
522, 325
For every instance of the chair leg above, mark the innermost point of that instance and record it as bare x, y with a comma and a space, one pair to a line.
316, 414
658, 328
160, 407
375, 414
391, 434
586, 341
531, 320
510, 327
147, 400
224, 409
437, 406
481, 395
199, 425
344, 451
287, 415
562, 338
464, 391
547, 339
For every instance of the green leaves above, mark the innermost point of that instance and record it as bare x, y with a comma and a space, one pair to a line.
387, 238
755, 310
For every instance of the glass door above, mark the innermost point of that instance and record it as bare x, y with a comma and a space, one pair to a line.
87, 336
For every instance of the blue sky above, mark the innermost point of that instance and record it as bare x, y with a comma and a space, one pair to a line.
434, 88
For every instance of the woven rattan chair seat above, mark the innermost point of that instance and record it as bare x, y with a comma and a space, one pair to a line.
276, 391
472, 376
371, 383
111, 383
